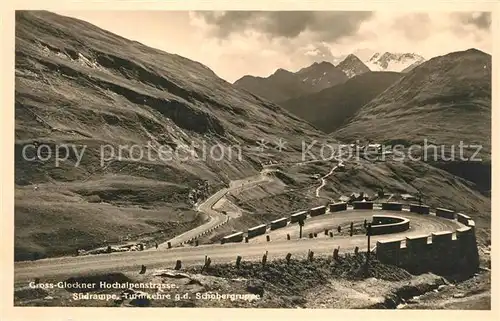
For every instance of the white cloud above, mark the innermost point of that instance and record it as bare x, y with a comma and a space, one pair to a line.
428, 34
261, 50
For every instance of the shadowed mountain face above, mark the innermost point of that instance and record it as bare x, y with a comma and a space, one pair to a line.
321, 75
352, 66
284, 85
279, 86
330, 108
445, 100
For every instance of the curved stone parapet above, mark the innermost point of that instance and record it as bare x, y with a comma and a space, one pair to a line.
438, 251
441, 252
388, 224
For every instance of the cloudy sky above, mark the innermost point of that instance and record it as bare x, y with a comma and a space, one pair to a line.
236, 43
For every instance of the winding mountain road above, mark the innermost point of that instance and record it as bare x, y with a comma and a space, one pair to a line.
216, 218
323, 180
58, 268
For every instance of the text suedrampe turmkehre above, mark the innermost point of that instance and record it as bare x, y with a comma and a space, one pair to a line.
166, 296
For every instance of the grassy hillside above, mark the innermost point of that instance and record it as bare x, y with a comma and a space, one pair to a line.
280, 86
444, 101
86, 88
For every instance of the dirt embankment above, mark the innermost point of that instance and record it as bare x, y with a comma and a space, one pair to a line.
321, 283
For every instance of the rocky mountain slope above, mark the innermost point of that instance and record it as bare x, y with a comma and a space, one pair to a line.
321, 75
283, 85
445, 100
330, 108
79, 86
411, 67
352, 66
399, 62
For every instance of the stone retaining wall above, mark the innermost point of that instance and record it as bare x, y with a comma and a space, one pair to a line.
279, 223
337, 207
439, 252
256, 230
319, 210
392, 206
235, 237
294, 218
462, 218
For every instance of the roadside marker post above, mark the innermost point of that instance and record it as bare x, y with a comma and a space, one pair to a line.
301, 224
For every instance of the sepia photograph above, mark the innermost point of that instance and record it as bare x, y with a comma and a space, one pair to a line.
290, 159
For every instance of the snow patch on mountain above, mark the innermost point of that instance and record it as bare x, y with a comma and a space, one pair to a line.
393, 61
352, 66
319, 76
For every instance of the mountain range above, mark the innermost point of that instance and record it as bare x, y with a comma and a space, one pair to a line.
438, 94
390, 107
284, 85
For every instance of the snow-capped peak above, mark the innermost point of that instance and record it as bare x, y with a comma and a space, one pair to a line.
398, 62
